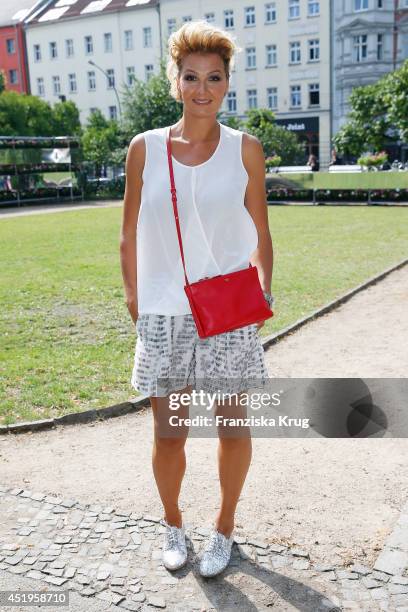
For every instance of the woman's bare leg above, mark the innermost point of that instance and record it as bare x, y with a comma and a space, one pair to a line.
168, 456
234, 459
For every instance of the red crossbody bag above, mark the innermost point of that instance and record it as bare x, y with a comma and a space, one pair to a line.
226, 301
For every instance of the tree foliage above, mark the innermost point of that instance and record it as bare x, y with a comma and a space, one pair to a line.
101, 138
27, 115
148, 105
2, 81
378, 115
275, 139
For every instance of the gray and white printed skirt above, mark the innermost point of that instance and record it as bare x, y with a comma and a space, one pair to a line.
170, 355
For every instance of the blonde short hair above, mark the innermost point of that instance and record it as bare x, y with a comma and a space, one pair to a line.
198, 37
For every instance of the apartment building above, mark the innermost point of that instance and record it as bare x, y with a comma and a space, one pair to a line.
284, 64
12, 44
370, 39
88, 51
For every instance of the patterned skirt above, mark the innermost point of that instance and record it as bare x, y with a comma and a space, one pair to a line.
170, 356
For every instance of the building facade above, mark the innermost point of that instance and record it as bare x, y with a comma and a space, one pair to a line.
89, 51
13, 56
370, 39
284, 64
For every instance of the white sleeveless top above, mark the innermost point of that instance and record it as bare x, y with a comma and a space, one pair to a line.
217, 231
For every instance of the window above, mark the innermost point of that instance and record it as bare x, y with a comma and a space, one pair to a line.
56, 85
88, 45
92, 110
147, 37
37, 53
110, 78
314, 94
53, 50
229, 19
171, 26
91, 80
380, 47
210, 17
380, 4
148, 71
271, 55
69, 47
13, 76
11, 48
295, 96
249, 15
250, 58
313, 8
72, 84
128, 34
187, 18
314, 50
113, 112
252, 98
360, 47
40, 86
360, 5
130, 75
294, 52
270, 12
232, 102
294, 9
107, 42
272, 97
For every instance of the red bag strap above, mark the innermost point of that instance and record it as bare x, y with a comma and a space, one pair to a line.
174, 200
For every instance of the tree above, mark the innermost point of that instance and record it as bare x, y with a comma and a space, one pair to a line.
350, 139
395, 93
149, 105
231, 121
66, 119
99, 140
2, 81
379, 114
274, 138
368, 123
26, 115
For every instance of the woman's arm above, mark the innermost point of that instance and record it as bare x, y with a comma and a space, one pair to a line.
135, 161
255, 201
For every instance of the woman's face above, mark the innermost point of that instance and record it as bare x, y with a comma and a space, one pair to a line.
202, 83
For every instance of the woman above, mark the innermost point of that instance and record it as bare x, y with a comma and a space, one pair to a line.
313, 163
220, 181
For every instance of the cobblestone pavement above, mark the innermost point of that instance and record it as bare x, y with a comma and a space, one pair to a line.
115, 557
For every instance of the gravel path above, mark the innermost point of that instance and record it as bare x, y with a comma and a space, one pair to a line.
339, 499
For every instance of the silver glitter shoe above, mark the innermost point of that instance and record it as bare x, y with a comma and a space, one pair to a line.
216, 555
174, 553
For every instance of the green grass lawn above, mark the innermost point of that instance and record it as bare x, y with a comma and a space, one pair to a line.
67, 338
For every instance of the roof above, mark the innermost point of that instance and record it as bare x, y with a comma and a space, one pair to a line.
14, 11
58, 10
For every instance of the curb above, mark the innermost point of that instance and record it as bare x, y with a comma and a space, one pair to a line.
116, 410
76, 418
274, 338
